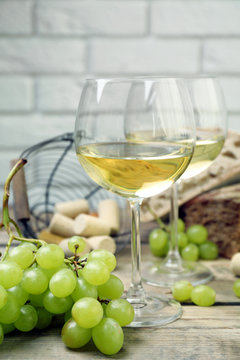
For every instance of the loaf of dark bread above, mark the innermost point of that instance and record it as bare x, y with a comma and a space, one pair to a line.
219, 211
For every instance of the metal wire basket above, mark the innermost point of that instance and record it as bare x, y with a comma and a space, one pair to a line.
53, 175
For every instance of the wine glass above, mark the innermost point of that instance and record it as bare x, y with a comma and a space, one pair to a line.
211, 128
135, 137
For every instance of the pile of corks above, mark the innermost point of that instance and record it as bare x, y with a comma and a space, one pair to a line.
74, 218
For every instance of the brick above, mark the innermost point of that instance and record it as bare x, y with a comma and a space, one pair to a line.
196, 17
91, 17
231, 89
58, 93
42, 55
222, 56
15, 17
16, 94
22, 131
147, 56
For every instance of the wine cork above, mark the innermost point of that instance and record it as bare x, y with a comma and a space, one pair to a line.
62, 225
235, 264
87, 225
49, 237
64, 245
72, 208
108, 212
102, 242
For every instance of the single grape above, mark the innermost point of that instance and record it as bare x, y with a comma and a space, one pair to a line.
27, 320
22, 255
197, 234
1, 334
19, 293
84, 289
87, 312
158, 242
8, 328
56, 305
34, 281
76, 244
190, 252
181, 290
236, 288
44, 318
95, 272
74, 336
203, 295
208, 250
180, 225
120, 310
28, 245
36, 300
50, 256
112, 289
10, 274
10, 311
108, 336
104, 256
63, 283
182, 239
3, 296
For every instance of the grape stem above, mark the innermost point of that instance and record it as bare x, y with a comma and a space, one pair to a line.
157, 219
6, 219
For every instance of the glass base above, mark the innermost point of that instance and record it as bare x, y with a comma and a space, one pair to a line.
157, 310
159, 274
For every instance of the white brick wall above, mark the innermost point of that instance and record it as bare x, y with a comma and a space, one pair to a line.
47, 47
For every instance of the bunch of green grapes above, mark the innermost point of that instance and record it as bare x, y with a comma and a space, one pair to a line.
38, 283
201, 295
193, 243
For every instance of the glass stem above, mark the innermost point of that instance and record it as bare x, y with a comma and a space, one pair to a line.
136, 294
173, 259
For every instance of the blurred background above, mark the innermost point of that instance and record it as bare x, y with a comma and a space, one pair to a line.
47, 48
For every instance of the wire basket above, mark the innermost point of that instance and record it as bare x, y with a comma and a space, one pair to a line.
53, 174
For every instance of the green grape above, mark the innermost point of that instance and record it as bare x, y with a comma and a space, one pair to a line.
8, 328
10, 274
190, 252
108, 336
95, 272
56, 305
19, 293
28, 245
84, 289
158, 242
50, 256
182, 239
76, 244
197, 234
180, 225
181, 290
104, 256
34, 281
27, 319
75, 336
37, 300
49, 272
208, 250
3, 296
87, 312
203, 295
120, 310
22, 255
236, 288
63, 283
1, 334
112, 289
10, 311
44, 318
68, 315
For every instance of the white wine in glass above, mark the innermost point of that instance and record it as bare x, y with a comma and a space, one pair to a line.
211, 128
110, 110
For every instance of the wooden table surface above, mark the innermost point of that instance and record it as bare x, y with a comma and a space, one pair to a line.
202, 333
